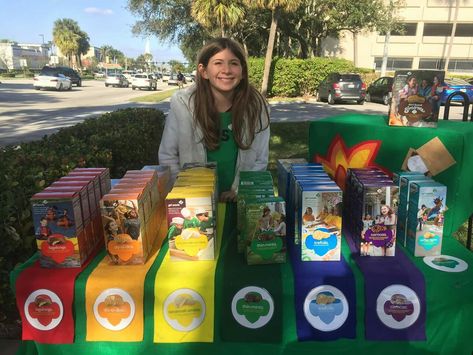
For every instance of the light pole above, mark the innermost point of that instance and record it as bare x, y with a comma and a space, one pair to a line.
42, 36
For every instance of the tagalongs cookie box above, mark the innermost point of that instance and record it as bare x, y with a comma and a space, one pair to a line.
416, 96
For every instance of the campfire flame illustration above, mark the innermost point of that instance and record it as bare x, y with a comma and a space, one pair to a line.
339, 158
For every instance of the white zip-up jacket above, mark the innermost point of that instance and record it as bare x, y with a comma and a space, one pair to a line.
182, 140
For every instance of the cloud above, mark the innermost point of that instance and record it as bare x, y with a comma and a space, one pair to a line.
96, 10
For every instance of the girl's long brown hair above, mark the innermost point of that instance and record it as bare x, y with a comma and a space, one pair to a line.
247, 105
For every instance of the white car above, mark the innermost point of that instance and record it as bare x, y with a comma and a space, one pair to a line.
118, 80
165, 77
144, 81
55, 81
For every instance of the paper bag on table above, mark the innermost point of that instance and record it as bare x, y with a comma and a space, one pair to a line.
431, 159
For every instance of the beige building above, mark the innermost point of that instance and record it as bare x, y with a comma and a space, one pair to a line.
426, 42
15, 55
92, 54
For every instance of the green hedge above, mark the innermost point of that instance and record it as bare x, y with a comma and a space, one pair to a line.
300, 77
121, 140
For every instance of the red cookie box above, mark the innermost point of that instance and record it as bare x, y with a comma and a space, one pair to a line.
92, 191
103, 175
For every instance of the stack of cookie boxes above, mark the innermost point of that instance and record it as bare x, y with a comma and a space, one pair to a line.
130, 217
67, 219
261, 219
191, 213
370, 210
317, 210
404, 180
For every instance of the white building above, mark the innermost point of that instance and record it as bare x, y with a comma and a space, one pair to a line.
15, 55
425, 44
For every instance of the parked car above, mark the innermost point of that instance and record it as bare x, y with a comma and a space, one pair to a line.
165, 77
338, 87
144, 81
55, 81
117, 80
454, 84
129, 74
189, 78
66, 71
99, 75
380, 90
173, 79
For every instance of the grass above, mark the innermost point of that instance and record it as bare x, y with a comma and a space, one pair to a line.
156, 97
288, 140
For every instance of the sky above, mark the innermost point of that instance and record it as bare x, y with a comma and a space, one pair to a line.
107, 22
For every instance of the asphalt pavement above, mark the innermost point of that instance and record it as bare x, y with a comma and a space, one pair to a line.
27, 114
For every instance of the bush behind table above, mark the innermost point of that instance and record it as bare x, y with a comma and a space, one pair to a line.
121, 140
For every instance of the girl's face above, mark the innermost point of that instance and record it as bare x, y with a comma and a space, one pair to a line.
384, 210
412, 82
113, 227
224, 71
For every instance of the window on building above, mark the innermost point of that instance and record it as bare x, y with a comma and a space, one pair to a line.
438, 29
460, 65
464, 30
454, 65
407, 29
394, 63
431, 63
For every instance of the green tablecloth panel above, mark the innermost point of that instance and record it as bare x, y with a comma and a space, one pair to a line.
449, 319
395, 142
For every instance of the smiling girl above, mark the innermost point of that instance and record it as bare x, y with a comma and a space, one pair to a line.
221, 118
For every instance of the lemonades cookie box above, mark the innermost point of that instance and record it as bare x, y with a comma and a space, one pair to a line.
265, 229
425, 220
57, 219
191, 220
320, 216
124, 227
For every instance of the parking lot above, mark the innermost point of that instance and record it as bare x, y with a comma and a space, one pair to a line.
27, 114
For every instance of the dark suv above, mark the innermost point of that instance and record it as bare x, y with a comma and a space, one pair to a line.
69, 72
381, 90
338, 87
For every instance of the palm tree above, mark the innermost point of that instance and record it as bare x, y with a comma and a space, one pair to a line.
70, 39
224, 13
104, 51
276, 7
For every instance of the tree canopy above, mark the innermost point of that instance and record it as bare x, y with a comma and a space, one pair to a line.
299, 32
70, 40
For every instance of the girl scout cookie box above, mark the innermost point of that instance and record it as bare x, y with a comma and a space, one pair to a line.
416, 98
192, 231
57, 219
425, 218
265, 231
320, 218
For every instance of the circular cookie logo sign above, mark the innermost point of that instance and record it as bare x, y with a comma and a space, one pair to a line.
114, 309
446, 263
252, 307
326, 308
398, 306
184, 310
43, 309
